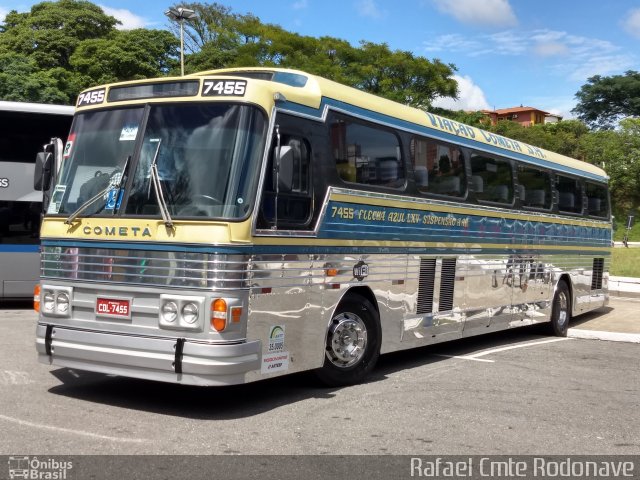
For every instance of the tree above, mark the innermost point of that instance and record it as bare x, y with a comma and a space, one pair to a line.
221, 38
603, 101
125, 55
51, 31
59, 48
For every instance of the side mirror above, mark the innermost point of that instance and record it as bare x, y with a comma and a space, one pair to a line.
43, 171
284, 169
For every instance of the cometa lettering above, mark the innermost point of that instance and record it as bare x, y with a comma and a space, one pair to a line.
117, 231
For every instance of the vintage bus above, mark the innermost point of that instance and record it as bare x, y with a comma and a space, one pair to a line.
236, 225
26, 127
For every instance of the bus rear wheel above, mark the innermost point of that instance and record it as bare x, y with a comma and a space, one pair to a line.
353, 343
561, 310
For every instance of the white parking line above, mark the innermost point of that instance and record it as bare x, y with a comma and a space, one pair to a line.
520, 345
466, 357
74, 432
476, 356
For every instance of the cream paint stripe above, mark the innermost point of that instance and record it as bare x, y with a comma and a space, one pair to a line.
328, 242
408, 203
71, 431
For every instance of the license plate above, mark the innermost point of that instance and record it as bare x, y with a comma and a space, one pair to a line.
112, 307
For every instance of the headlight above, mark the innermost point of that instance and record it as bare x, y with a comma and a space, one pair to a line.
62, 303
190, 312
169, 312
48, 301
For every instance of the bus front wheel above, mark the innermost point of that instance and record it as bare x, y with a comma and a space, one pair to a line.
353, 343
561, 310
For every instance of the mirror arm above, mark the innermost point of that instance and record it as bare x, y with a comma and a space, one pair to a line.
277, 162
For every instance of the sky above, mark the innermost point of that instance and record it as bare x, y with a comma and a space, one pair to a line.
507, 53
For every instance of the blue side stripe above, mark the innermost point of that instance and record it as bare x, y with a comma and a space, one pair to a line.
12, 248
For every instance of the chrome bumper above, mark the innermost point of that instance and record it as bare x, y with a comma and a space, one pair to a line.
164, 359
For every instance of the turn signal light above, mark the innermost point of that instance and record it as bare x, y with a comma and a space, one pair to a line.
219, 314
36, 298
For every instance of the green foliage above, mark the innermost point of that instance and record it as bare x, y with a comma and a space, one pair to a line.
603, 101
221, 38
50, 33
59, 48
125, 55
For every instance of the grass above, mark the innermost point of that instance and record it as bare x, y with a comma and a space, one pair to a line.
620, 228
625, 262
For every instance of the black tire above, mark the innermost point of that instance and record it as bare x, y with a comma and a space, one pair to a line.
560, 310
353, 343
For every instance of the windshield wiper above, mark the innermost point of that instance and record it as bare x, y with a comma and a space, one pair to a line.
157, 186
100, 194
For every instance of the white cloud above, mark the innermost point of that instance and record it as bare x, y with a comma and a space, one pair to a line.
470, 96
300, 5
368, 8
631, 24
3, 14
574, 57
129, 20
491, 13
550, 49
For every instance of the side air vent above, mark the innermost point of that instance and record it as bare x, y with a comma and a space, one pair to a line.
425, 285
598, 270
447, 284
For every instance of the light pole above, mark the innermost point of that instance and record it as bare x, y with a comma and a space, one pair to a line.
181, 14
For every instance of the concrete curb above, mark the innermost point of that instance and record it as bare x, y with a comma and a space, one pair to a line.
605, 336
624, 287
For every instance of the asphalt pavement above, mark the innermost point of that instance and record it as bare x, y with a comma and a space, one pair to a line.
624, 326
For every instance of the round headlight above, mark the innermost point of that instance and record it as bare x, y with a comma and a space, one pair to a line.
190, 312
48, 301
169, 312
62, 303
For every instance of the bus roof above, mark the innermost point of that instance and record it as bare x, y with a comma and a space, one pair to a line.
318, 93
36, 108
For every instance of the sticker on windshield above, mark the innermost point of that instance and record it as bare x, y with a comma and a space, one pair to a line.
113, 199
128, 133
69, 145
56, 199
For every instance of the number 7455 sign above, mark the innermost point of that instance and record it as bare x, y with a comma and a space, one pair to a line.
224, 87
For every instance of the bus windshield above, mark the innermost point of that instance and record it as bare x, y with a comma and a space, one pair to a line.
206, 159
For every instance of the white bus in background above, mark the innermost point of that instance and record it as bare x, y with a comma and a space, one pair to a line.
25, 129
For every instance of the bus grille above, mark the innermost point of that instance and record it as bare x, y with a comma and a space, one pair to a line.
447, 284
426, 285
145, 267
598, 269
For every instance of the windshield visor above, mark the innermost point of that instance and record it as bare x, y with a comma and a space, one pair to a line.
206, 158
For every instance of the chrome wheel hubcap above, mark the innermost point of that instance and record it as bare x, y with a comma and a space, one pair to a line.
347, 340
563, 314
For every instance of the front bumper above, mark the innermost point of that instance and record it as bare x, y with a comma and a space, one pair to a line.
172, 360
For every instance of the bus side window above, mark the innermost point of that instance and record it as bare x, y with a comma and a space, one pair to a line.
597, 200
295, 207
438, 168
569, 194
366, 154
535, 187
492, 178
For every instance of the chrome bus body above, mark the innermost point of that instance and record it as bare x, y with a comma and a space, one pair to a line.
26, 127
435, 269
